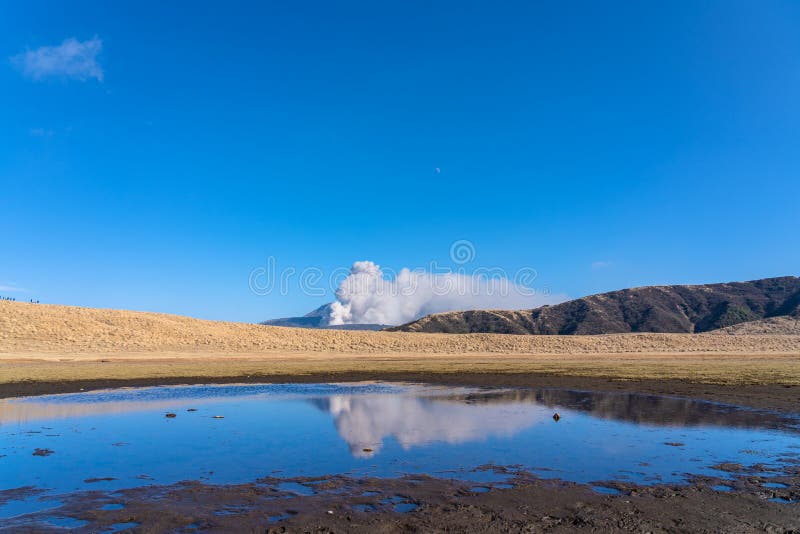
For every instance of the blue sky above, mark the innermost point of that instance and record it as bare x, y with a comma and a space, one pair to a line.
156, 154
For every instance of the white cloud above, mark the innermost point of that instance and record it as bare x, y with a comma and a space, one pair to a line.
41, 132
71, 59
601, 264
12, 289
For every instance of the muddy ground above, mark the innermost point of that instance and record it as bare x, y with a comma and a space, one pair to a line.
423, 504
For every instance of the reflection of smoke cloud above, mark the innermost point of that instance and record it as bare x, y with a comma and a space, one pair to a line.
364, 421
366, 297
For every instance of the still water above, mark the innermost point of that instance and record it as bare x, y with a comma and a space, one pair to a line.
111, 439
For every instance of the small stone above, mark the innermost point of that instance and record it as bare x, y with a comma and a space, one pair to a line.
43, 452
330, 512
556, 417
219, 417
192, 410
366, 449
171, 415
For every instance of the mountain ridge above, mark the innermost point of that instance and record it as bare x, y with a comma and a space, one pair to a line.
318, 319
653, 309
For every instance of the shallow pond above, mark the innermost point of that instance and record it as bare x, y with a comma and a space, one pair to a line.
112, 439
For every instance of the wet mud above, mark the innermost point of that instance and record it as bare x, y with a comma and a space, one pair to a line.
750, 500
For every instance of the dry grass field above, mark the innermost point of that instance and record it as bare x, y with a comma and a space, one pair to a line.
47, 343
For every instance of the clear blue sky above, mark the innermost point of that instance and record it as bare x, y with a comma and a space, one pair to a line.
605, 144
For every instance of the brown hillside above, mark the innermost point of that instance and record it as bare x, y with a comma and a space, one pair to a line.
59, 330
661, 309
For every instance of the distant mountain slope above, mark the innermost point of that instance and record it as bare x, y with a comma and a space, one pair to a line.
316, 319
312, 319
665, 309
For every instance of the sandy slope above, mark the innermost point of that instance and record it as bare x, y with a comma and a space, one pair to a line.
42, 329
784, 325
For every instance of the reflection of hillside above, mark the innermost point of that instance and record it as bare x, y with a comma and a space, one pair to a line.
23, 412
123, 400
365, 421
637, 408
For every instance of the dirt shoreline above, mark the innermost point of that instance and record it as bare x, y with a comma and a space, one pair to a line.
784, 398
57, 349
524, 503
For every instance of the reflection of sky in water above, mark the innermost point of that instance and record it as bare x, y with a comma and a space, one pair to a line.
311, 430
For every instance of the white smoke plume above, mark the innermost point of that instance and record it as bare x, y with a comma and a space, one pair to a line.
367, 296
